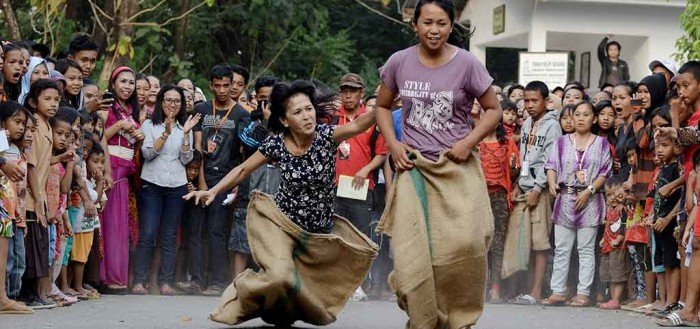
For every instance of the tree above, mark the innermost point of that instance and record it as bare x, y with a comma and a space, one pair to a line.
688, 46
11, 20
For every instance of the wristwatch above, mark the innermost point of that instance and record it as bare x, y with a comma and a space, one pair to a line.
591, 189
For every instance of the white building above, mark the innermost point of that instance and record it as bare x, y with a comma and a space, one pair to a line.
646, 29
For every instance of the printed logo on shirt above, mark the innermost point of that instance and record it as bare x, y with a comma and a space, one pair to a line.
534, 140
431, 117
210, 121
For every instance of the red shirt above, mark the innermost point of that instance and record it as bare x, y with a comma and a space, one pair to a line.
360, 149
497, 160
611, 217
689, 151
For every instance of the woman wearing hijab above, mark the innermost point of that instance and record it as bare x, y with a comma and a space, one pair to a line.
38, 69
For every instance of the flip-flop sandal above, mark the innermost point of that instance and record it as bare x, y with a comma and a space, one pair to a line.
674, 320
548, 302
580, 302
13, 307
639, 309
526, 300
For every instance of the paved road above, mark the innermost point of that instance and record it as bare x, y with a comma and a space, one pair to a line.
190, 312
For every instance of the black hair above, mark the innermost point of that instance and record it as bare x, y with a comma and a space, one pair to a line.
613, 43
242, 71
630, 85
67, 114
514, 87
612, 138
281, 93
508, 105
585, 103
557, 88
369, 98
133, 100
12, 90
88, 81
692, 67
96, 149
220, 72
62, 66
264, 81
141, 76
538, 86
81, 43
501, 134
575, 85
158, 115
447, 5
9, 109
664, 112
196, 157
37, 88
568, 108
605, 85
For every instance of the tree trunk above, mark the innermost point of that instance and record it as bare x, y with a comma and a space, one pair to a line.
11, 20
179, 40
117, 30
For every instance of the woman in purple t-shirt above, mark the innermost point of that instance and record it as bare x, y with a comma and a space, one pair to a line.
438, 84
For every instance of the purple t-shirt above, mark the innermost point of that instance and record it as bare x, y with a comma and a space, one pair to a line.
437, 101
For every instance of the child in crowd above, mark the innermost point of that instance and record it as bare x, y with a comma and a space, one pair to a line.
566, 119
58, 184
499, 158
510, 117
85, 225
540, 132
615, 260
43, 99
663, 221
193, 216
574, 94
13, 120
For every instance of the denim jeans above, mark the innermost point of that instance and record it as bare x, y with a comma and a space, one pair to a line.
15, 263
218, 226
161, 212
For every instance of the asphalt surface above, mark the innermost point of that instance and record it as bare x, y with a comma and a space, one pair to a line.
191, 312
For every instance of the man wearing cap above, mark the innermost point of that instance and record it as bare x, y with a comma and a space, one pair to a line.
665, 67
357, 157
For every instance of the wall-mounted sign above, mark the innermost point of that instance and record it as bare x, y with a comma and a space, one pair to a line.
499, 19
551, 68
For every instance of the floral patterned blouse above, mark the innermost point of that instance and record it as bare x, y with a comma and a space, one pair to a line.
307, 185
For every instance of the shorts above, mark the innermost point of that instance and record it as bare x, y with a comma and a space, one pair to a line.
541, 220
6, 228
666, 251
82, 244
238, 241
615, 266
36, 248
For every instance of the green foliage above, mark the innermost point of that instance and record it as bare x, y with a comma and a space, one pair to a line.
688, 46
291, 39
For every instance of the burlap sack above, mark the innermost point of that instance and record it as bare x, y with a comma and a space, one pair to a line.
441, 225
516, 254
303, 276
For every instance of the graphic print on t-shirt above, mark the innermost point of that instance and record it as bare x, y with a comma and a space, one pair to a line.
429, 117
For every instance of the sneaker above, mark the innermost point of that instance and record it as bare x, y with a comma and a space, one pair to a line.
358, 295
41, 304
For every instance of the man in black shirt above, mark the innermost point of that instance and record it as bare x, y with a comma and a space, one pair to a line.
217, 136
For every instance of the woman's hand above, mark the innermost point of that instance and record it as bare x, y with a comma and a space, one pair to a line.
460, 152
399, 152
553, 190
138, 135
669, 132
582, 199
13, 171
169, 125
205, 197
661, 224
192, 121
